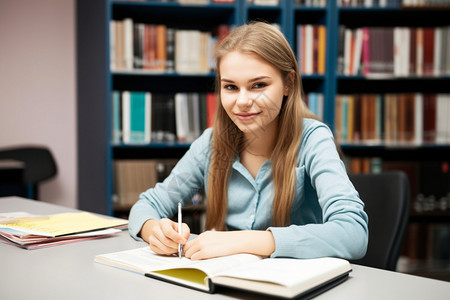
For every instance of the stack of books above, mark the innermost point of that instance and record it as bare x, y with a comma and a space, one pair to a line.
29, 231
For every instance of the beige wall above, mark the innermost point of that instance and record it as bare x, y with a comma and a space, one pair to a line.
37, 86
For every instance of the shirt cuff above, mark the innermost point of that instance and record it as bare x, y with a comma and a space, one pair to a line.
284, 244
135, 227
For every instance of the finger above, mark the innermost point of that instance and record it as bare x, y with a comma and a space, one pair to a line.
158, 247
191, 247
203, 254
170, 236
198, 256
170, 230
159, 239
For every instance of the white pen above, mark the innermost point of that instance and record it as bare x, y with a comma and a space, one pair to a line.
179, 227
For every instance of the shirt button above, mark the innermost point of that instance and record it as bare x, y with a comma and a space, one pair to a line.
252, 217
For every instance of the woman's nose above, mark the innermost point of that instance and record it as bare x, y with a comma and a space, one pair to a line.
244, 99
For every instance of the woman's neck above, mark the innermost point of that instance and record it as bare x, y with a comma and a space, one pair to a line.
260, 143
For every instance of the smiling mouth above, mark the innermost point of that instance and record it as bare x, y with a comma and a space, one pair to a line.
247, 116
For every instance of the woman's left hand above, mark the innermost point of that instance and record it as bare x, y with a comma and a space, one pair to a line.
211, 244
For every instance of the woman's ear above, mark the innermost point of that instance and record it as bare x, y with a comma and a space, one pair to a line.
286, 90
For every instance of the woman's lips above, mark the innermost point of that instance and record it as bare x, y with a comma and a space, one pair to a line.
246, 116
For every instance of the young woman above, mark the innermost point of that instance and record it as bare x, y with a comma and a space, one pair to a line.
275, 184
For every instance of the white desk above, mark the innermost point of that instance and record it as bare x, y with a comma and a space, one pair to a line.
69, 272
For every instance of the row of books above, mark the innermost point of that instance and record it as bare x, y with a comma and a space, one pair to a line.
264, 2
315, 102
394, 51
134, 176
187, 1
425, 247
370, 3
394, 3
158, 48
311, 48
421, 3
319, 3
144, 117
393, 118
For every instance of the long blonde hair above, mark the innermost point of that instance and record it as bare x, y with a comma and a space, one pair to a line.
268, 43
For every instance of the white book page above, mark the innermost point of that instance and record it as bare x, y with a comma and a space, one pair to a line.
143, 260
290, 272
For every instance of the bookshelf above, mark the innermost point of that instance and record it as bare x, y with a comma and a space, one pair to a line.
426, 242
96, 80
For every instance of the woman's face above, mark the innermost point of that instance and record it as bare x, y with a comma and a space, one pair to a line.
251, 92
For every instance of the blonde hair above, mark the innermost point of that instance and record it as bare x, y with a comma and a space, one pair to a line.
267, 42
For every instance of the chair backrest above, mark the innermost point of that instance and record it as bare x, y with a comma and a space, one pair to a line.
39, 164
387, 199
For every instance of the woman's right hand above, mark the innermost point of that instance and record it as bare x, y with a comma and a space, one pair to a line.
162, 235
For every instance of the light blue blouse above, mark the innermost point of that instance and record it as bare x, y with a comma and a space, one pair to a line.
327, 216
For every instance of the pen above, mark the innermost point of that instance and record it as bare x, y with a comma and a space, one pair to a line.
179, 227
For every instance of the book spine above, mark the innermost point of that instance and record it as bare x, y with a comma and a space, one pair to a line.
126, 116
128, 44
428, 52
418, 118
112, 44
139, 116
161, 47
116, 118
211, 104
181, 116
357, 51
365, 51
309, 49
322, 49
170, 48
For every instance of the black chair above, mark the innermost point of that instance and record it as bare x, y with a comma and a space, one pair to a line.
39, 166
387, 199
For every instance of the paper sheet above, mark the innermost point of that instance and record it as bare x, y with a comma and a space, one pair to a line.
64, 223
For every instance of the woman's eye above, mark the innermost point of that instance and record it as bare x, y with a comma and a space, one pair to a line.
259, 85
230, 87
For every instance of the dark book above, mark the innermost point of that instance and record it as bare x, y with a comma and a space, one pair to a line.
412, 51
341, 39
169, 126
138, 37
428, 51
170, 48
158, 117
429, 118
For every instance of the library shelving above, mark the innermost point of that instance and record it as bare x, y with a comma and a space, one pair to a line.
97, 81
425, 159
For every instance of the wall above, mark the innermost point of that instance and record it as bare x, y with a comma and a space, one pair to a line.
37, 86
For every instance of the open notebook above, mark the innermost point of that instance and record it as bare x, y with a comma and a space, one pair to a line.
281, 277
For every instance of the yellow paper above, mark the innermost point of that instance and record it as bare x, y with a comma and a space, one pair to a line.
67, 223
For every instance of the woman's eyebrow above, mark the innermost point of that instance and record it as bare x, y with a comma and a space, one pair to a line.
251, 80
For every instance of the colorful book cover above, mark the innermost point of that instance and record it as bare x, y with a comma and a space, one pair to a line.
139, 118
